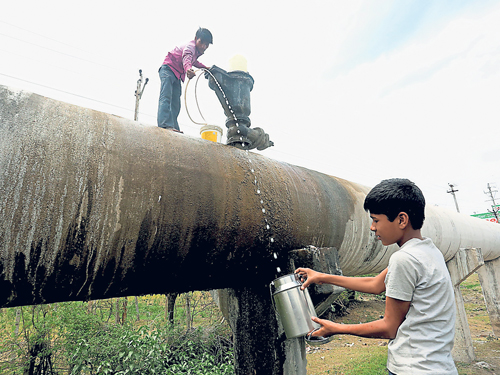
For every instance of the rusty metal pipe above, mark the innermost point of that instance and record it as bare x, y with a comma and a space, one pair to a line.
96, 206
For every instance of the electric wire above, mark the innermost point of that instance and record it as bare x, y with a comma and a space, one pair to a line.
57, 66
66, 92
80, 74
44, 36
62, 53
57, 51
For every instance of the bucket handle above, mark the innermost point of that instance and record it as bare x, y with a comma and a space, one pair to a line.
309, 335
317, 340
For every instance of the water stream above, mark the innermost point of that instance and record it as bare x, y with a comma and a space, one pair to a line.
252, 170
228, 104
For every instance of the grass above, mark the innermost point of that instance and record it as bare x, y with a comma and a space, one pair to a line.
359, 360
349, 355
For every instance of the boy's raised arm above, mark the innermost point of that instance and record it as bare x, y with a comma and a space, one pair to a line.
373, 285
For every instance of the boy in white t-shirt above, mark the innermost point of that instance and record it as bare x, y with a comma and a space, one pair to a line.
419, 314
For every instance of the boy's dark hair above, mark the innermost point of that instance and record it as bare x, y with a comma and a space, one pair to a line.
205, 35
390, 197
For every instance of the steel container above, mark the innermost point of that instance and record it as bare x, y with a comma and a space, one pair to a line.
293, 306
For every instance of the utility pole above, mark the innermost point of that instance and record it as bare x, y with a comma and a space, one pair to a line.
493, 206
138, 94
452, 191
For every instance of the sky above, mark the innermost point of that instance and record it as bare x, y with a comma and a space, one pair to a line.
361, 90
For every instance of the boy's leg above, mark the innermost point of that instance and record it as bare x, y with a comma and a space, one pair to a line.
168, 80
176, 102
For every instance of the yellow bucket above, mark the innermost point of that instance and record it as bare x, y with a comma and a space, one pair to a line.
211, 133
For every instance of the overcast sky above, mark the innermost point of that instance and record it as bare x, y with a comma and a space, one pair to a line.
361, 90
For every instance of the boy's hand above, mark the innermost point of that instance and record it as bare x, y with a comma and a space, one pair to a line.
310, 276
190, 73
328, 328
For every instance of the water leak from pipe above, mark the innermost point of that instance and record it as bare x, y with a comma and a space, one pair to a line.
227, 100
252, 170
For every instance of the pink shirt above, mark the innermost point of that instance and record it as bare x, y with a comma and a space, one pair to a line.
183, 58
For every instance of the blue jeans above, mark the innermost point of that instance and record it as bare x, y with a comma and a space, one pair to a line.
169, 104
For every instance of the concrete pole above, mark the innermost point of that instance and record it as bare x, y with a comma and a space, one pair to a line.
461, 266
452, 191
492, 199
138, 94
489, 277
463, 350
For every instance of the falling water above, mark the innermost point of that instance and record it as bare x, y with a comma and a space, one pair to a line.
227, 102
252, 170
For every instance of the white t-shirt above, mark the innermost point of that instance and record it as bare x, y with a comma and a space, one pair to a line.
423, 343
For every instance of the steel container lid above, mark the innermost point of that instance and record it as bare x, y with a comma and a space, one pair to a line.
286, 282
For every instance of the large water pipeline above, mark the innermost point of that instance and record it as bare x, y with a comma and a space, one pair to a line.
97, 206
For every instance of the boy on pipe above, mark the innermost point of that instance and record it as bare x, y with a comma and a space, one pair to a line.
177, 64
419, 314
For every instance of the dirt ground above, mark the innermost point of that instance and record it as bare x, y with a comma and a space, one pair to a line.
345, 348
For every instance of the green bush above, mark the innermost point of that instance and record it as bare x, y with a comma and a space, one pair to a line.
161, 349
80, 338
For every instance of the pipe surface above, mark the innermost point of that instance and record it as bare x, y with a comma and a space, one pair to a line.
96, 206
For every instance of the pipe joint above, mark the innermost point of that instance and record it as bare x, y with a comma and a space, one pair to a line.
233, 91
247, 139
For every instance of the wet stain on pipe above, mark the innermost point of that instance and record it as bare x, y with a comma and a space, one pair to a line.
94, 206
